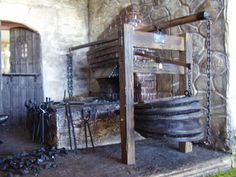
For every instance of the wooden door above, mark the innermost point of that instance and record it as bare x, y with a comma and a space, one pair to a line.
24, 82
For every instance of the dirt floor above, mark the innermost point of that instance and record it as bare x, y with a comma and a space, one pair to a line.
152, 157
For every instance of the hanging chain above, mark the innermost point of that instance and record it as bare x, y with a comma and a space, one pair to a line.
190, 81
70, 74
208, 126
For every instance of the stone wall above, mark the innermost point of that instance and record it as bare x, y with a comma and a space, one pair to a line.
61, 24
102, 12
232, 58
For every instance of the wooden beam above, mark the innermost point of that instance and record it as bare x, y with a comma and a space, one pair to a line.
187, 57
1, 100
185, 147
162, 60
149, 40
175, 22
99, 48
127, 98
158, 68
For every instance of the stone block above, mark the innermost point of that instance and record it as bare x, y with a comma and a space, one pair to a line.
218, 63
220, 83
158, 14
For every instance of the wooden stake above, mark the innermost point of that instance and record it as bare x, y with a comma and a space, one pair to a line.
185, 147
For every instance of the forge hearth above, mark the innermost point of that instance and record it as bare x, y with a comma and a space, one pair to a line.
104, 123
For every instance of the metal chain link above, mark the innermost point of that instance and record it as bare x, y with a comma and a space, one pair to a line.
208, 126
70, 74
189, 81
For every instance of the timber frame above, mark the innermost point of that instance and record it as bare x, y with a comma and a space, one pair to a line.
129, 40
124, 42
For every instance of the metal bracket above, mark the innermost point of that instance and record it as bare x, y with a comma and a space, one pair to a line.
159, 37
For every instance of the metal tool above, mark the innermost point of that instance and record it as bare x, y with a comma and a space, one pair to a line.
70, 125
86, 115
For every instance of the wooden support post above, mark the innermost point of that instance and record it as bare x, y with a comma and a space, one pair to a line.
1, 102
126, 81
186, 57
185, 147
189, 60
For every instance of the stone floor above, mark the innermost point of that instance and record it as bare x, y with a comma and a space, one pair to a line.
153, 158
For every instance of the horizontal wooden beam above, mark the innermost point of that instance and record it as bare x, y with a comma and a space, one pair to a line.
104, 52
99, 48
163, 60
149, 40
158, 68
175, 22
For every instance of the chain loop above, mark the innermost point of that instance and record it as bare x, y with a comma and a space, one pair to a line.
208, 125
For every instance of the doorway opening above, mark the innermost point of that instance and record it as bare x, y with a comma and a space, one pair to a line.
20, 70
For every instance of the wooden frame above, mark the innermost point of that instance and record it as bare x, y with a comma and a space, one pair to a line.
127, 40
127, 68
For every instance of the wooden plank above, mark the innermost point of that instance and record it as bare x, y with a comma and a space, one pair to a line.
98, 48
162, 60
110, 57
185, 147
24, 52
36, 52
6, 96
127, 98
104, 52
104, 64
189, 60
30, 56
158, 68
1, 79
148, 40
24, 91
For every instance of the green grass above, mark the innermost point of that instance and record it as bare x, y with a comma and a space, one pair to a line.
230, 173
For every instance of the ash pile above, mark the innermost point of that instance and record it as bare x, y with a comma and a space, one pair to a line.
30, 163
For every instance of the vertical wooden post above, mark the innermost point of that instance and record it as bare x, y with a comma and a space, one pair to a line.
189, 60
1, 100
187, 56
126, 81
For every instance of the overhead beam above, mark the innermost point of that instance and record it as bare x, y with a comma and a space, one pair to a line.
175, 22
